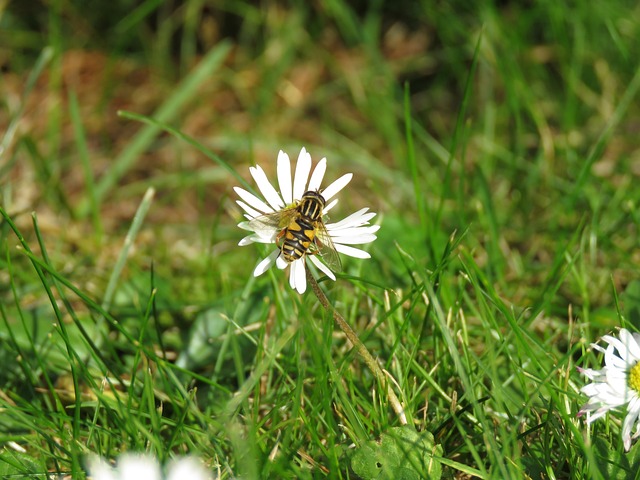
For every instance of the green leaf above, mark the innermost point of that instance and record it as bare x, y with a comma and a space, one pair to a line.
400, 454
617, 464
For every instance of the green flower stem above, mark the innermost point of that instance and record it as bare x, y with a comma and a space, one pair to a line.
360, 348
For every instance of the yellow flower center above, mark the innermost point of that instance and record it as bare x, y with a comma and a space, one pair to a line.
634, 377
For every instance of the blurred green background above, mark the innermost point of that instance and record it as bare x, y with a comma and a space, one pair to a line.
524, 120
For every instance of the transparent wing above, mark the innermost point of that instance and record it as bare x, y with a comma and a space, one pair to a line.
273, 222
326, 249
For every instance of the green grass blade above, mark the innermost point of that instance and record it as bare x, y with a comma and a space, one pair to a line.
411, 160
190, 141
83, 153
596, 151
7, 139
184, 92
129, 240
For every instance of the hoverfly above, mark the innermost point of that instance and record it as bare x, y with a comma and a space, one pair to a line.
302, 230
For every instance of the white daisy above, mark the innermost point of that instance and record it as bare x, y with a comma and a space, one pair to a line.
353, 230
617, 384
138, 467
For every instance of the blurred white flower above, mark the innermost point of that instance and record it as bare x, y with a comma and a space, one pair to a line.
617, 384
145, 467
269, 220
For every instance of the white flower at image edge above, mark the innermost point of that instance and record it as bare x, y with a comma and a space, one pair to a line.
145, 467
617, 384
352, 230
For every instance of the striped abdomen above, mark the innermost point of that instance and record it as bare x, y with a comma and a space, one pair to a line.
302, 230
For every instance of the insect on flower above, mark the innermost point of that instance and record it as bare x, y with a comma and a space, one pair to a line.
293, 218
302, 230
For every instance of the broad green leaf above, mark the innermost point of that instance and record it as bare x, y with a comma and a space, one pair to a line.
400, 454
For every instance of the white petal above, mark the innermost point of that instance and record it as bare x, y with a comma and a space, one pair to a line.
600, 412
252, 200
322, 267
281, 263
292, 275
303, 167
355, 219
351, 230
611, 359
637, 433
632, 348
99, 469
245, 241
245, 226
257, 238
588, 408
261, 235
137, 467
595, 389
270, 193
617, 384
297, 276
284, 177
266, 264
352, 252
589, 373
250, 211
330, 205
620, 345
355, 239
336, 186
629, 421
186, 468
318, 175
